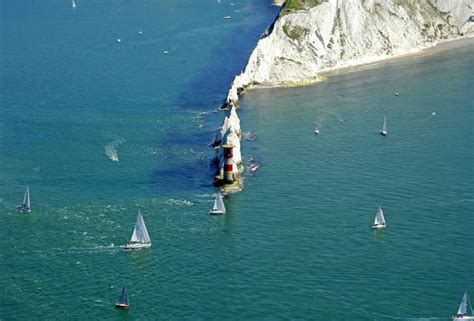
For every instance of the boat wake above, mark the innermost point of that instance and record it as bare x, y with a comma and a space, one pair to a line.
250, 136
173, 201
111, 150
253, 165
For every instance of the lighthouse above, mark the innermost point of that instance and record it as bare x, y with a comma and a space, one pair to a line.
228, 163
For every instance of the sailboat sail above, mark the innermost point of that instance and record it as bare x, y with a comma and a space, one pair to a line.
463, 306
219, 203
25, 206
379, 218
124, 296
140, 233
26, 198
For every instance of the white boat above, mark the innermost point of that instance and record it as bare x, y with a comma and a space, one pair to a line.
383, 131
140, 238
316, 130
119, 40
25, 207
462, 315
218, 208
379, 221
73, 4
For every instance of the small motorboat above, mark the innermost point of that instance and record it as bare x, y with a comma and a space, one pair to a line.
316, 130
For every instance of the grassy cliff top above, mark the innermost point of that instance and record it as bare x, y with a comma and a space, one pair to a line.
302, 4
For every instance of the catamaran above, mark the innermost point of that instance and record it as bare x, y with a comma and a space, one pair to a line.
140, 238
462, 315
123, 300
25, 207
73, 4
383, 131
218, 207
379, 221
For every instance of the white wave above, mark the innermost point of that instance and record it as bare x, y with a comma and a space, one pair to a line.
251, 136
173, 201
111, 150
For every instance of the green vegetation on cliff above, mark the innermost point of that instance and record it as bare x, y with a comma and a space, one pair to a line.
302, 4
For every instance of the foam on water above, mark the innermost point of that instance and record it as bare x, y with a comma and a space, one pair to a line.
111, 149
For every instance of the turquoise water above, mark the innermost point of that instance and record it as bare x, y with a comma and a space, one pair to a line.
295, 244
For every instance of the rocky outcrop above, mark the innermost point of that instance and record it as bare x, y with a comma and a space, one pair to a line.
305, 42
229, 135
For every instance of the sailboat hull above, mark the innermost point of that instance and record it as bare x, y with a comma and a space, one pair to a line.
216, 212
136, 246
23, 209
464, 318
378, 226
121, 305
383, 133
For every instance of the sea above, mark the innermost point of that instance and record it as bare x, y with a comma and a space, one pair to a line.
99, 129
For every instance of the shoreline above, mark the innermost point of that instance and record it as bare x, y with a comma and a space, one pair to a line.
449, 44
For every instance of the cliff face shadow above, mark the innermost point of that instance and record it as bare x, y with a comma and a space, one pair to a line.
185, 166
231, 56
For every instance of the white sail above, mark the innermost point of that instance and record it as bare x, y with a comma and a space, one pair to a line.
463, 306
219, 207
26, 198
379, 218
140, 233
25, 206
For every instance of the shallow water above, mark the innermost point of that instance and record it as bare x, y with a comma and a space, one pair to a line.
98, 129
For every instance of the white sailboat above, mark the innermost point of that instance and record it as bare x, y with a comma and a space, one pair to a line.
462, 315
74, 4
379, 221
25, 207
140, 238
383, 131
218, 207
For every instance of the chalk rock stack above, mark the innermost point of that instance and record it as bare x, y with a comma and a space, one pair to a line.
229, 135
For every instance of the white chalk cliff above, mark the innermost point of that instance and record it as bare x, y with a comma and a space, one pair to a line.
301, 44
330, 34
